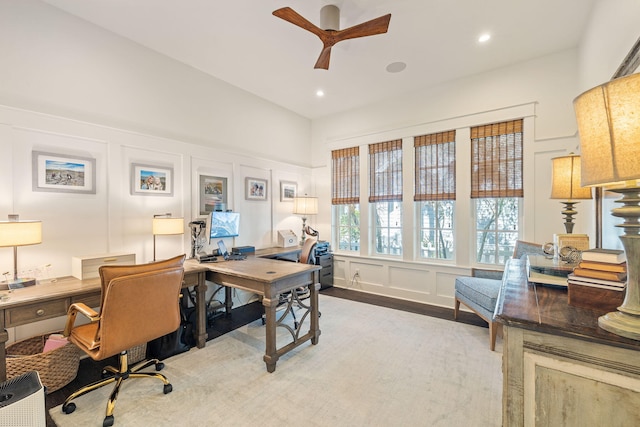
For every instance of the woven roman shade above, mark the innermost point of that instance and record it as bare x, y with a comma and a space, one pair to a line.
345, 164
435, 170
496, 160
385, 171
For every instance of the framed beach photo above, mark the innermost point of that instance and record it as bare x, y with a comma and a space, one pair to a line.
288, 191
255, 189
151, 180
213, 193
63, 174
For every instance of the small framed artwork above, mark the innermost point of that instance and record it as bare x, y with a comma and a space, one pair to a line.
255, 189
151, 180
63, 174
213, 194
288, 191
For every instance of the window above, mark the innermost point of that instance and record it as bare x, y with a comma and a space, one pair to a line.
345, 197
385, 194
435, 193
496, 184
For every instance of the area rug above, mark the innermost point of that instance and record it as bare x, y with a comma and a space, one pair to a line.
373, 366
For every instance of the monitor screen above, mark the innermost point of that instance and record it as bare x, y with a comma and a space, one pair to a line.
223, 224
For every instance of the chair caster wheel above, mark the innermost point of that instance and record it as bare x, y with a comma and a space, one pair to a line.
108, 421
159, 366
168, 388
67, 409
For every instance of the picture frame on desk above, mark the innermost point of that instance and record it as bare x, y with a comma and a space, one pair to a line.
288, 191
255, 189
149, 180
61, 173
212, 191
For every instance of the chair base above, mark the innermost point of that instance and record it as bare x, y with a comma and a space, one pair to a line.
117, 376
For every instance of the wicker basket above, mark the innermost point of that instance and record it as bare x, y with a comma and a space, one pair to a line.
57, 367
137, 353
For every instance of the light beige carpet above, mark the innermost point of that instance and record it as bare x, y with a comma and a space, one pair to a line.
373, 366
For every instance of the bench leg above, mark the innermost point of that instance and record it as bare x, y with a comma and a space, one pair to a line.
493, 331
456, 308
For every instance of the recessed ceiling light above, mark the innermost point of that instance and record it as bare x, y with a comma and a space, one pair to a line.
396, 67
484, 37
319, 93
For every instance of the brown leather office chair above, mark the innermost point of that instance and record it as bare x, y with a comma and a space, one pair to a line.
139, 304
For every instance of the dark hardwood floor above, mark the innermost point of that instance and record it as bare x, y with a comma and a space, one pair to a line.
90, 370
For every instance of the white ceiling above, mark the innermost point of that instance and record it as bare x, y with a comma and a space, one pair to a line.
242, 43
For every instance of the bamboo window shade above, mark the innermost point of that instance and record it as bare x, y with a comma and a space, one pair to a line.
435, 168
345, 164
385, 171
496, 160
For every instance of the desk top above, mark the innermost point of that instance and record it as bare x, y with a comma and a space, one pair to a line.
263, 270
545, 309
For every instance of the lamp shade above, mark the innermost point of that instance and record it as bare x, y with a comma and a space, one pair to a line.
165, 226
20, 233
565, 179
609, 125
305, 205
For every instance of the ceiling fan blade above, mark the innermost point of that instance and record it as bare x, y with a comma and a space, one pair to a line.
295, 18
370, 28
323, 59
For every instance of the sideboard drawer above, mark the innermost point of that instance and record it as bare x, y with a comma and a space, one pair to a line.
37, 311
87, 267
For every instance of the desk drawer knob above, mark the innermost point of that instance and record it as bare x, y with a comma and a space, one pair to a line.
40, 312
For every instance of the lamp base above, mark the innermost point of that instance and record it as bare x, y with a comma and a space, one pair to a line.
619, 323
16, 284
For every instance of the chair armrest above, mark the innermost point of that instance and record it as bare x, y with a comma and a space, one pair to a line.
486, 273
73, 311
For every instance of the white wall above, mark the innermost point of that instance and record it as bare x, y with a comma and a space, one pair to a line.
73, 89
548, 84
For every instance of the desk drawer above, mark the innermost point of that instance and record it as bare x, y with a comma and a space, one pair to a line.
90, 299
37, 311
190, 279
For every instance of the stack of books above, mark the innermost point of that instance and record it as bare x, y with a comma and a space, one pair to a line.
599, 280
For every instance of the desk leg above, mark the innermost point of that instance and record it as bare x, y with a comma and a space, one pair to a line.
271, 354
228, 300
4, 337
201, 311
315, 312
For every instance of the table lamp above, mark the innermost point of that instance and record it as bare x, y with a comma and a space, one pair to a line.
163, 225
305, 205
565, 185
19, 233
608, 119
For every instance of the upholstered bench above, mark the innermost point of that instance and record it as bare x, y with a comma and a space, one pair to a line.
480, 295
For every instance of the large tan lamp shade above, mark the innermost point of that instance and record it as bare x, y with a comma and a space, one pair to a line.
19, 233
565, 185
164, 225
609, 124
305, 206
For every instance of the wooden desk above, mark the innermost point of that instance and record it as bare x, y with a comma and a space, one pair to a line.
269, 278
52, 299
559, 367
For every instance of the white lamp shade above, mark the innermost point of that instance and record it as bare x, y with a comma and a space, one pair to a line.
165, 226
565, 180
20, 233
609, 125
305, 205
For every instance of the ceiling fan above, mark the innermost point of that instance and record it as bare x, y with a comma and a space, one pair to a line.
329, 33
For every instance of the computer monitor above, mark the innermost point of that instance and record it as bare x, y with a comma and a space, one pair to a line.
222, 224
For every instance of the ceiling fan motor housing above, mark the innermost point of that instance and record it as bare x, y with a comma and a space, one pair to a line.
330, 17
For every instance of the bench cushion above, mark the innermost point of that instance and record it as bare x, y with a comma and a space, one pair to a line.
483, 292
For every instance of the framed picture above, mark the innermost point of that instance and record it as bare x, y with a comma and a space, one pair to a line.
63, 174
255, 189
151, 180
288, 191
213, 194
